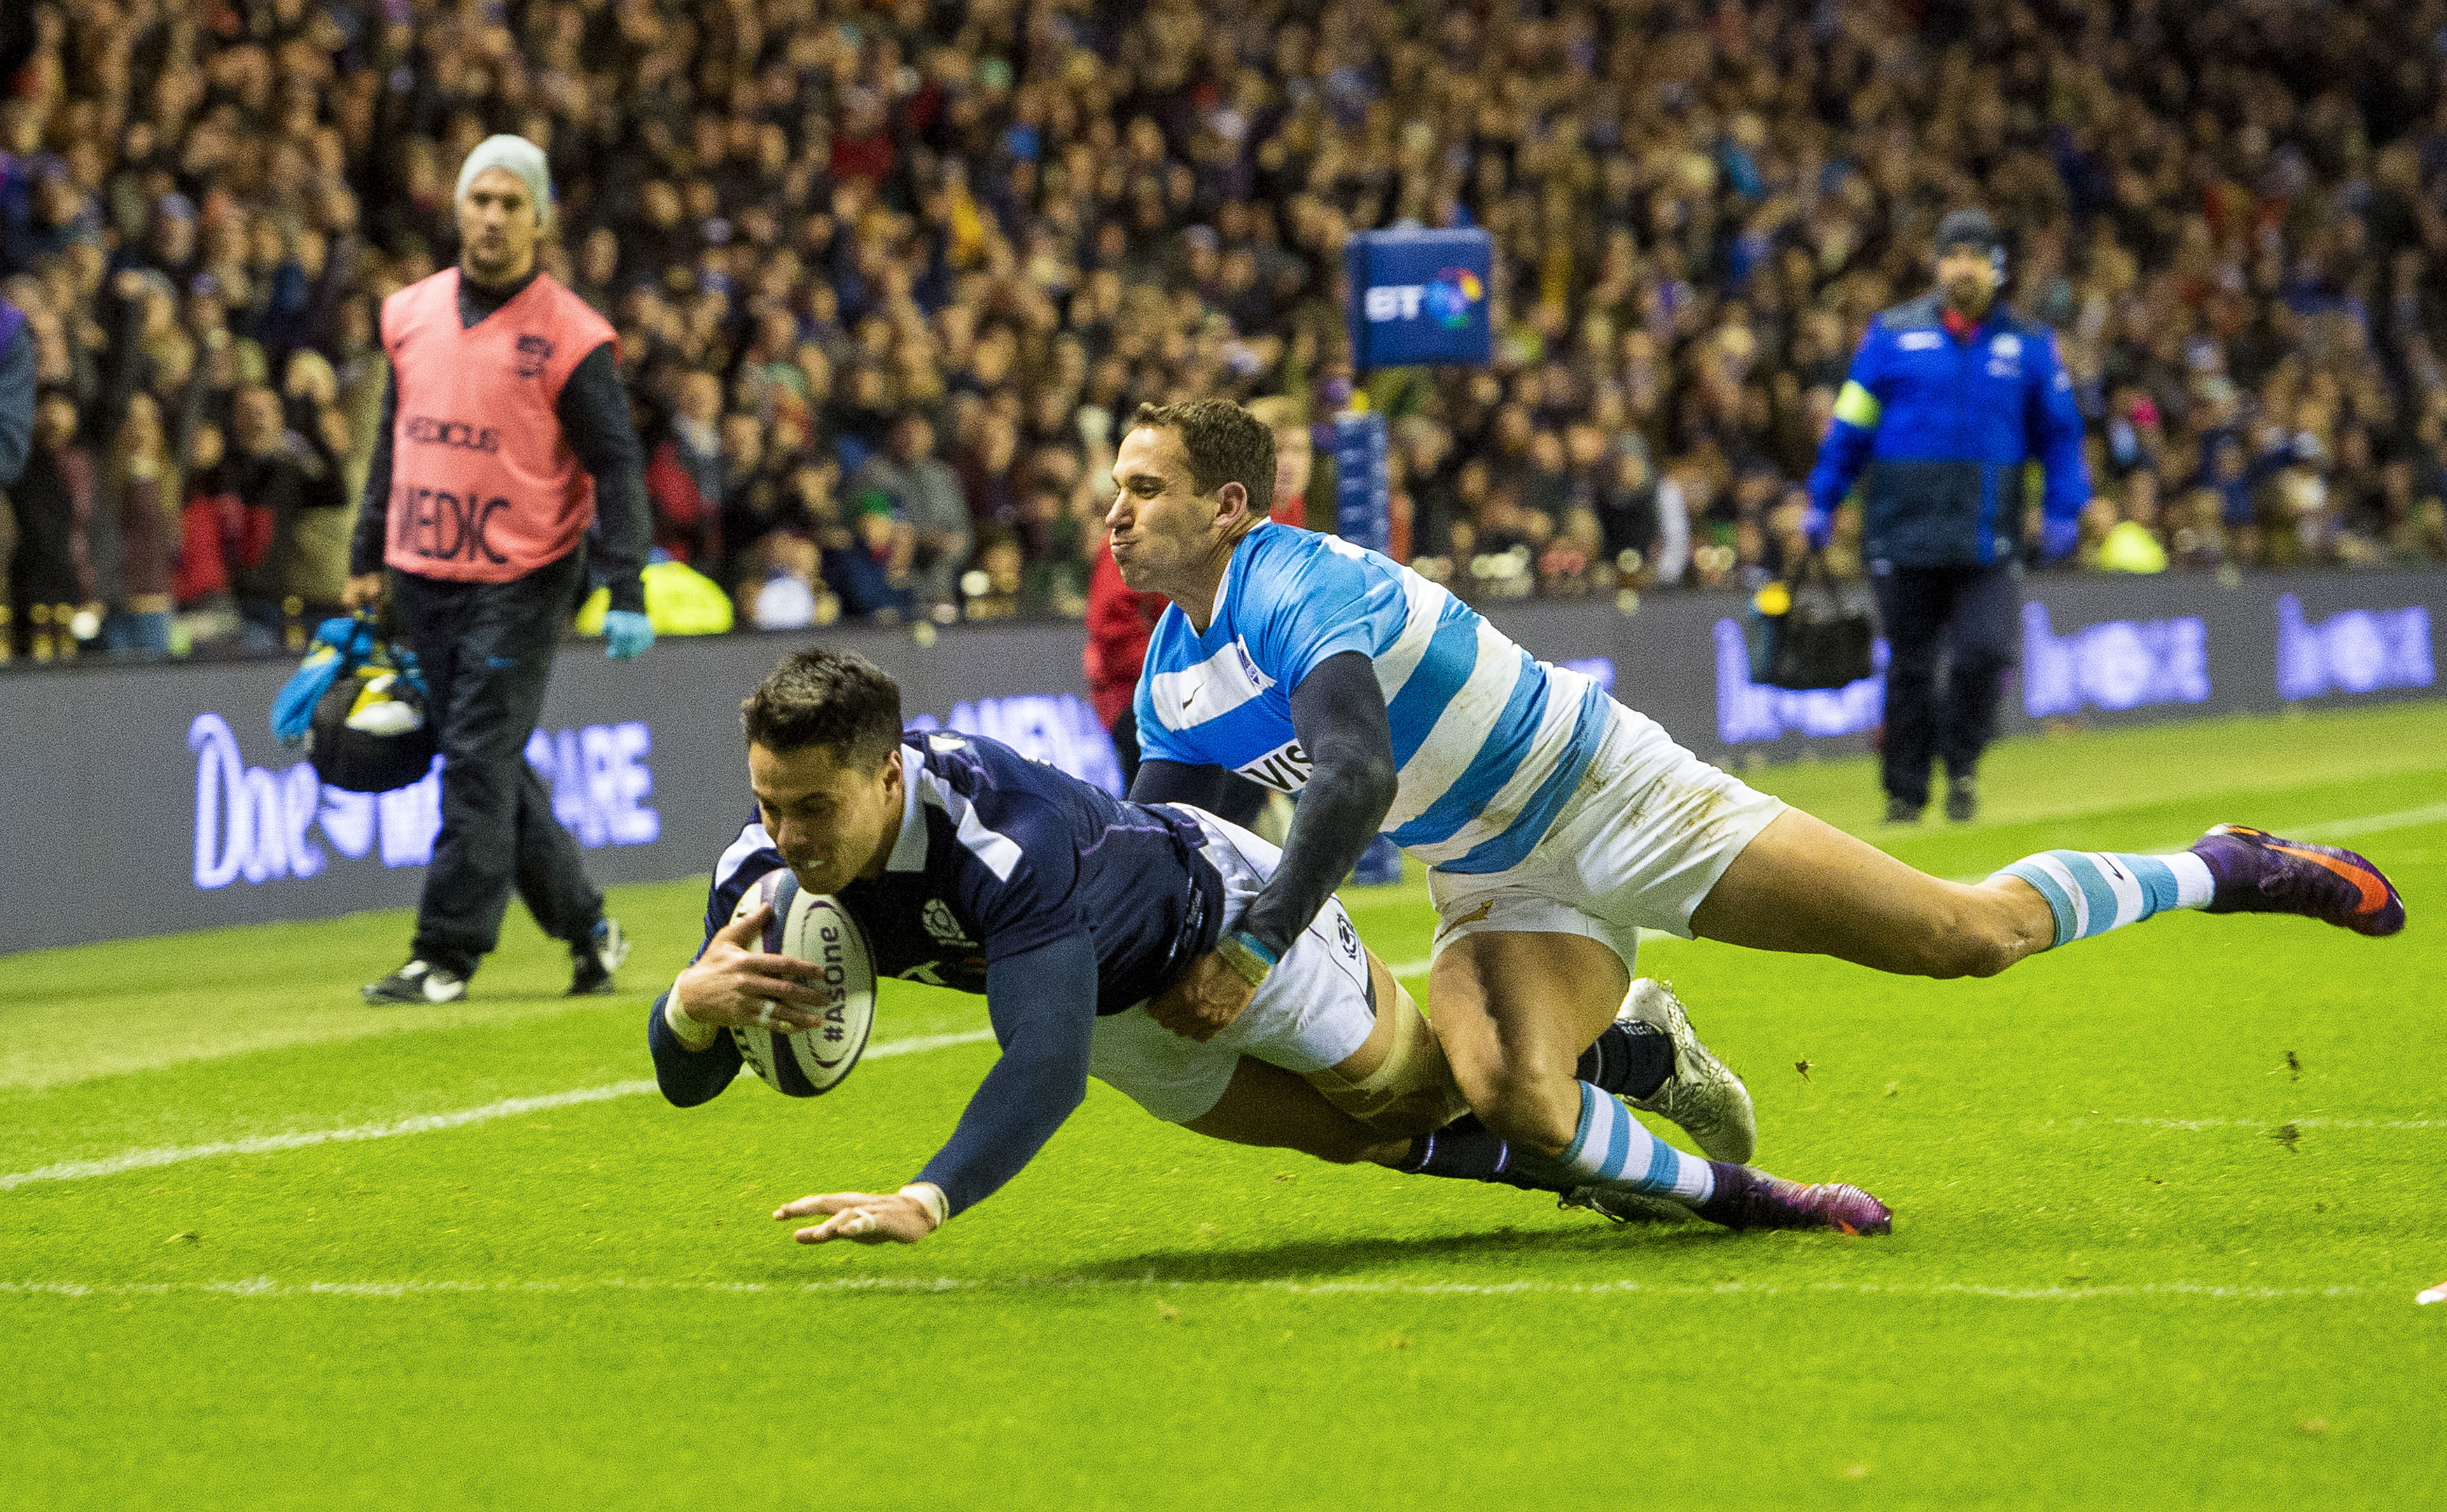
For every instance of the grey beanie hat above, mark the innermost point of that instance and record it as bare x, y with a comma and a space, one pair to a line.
520, 156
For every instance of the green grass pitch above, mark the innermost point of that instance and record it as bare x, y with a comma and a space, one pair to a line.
2163, 1203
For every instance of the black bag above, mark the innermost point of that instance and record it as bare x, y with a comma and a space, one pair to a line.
364, 761
394, 741
1822, 638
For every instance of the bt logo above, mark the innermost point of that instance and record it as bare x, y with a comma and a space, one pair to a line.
1446, 299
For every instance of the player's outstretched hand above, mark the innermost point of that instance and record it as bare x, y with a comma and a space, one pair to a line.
1204, 1002
862, 1216
734, 982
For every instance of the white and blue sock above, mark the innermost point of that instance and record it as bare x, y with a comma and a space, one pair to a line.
2091, 892
1611, 1148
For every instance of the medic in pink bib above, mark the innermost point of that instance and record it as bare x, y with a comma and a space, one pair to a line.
505, 437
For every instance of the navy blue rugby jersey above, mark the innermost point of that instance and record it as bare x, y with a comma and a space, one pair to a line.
998, 854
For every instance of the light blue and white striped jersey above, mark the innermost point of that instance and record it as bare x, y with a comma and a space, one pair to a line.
1490, 742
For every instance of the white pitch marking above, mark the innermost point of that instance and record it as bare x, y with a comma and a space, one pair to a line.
2195, 1124
2372, 824
427, 1123
893, 1285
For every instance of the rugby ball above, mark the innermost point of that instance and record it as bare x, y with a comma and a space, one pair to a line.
812, 927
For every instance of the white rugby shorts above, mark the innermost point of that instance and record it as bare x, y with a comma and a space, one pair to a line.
1637, 846
1311, 1012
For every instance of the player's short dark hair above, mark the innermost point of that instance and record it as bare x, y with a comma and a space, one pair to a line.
1225, 443
835, 699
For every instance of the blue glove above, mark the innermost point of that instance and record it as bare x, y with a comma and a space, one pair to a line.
626, 633
2058, 538
1819, 526
340, 643
293, 711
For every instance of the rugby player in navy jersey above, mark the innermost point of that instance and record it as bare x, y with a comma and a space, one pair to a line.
1556, 823
970, 866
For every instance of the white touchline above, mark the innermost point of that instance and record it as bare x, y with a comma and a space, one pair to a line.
263, 1286
427, 1123
2371, 823
2191, 1125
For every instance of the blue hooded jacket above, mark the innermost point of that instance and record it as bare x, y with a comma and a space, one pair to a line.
1936, 431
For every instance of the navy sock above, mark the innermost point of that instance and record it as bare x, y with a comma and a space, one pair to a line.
1467, 1150
1629, 1060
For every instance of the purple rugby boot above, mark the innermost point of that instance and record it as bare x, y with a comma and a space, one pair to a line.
2257, 873
1748, 1199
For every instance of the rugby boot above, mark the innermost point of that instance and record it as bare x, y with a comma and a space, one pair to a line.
1624, 1205
1703, 1096
2257, 873
592, 960
419, 981
1745, 1199
1961, 799
1902, 811
1748, 1199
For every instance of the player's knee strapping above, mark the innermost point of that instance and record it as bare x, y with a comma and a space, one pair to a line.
1412, 1091
2091, 892
1612, 1148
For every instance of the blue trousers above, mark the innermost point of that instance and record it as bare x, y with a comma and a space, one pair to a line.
1950, 640
486, 651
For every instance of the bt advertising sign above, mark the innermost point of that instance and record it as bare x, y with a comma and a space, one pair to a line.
1419, 297
2360, 650
2116, 664
257, 825
1059, 730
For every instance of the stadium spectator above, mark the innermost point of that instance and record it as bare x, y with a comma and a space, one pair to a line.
143, 490
1295, 455
16, 441
925, 493
212, 538
52, 573
280, 478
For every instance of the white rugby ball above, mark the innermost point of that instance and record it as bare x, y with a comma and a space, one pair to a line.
815, 928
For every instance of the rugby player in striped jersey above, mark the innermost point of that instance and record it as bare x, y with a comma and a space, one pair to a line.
1556, 822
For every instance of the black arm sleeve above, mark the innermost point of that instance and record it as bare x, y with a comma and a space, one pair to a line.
1163, 782
688, 1077
1338, 717
373, 512
593, 412
1043, 1003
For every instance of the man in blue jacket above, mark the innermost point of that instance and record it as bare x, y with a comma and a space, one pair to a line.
1950, 395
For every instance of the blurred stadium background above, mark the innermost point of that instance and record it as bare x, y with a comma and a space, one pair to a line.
889, 280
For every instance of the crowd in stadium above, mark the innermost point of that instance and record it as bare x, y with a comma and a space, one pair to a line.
888, 279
